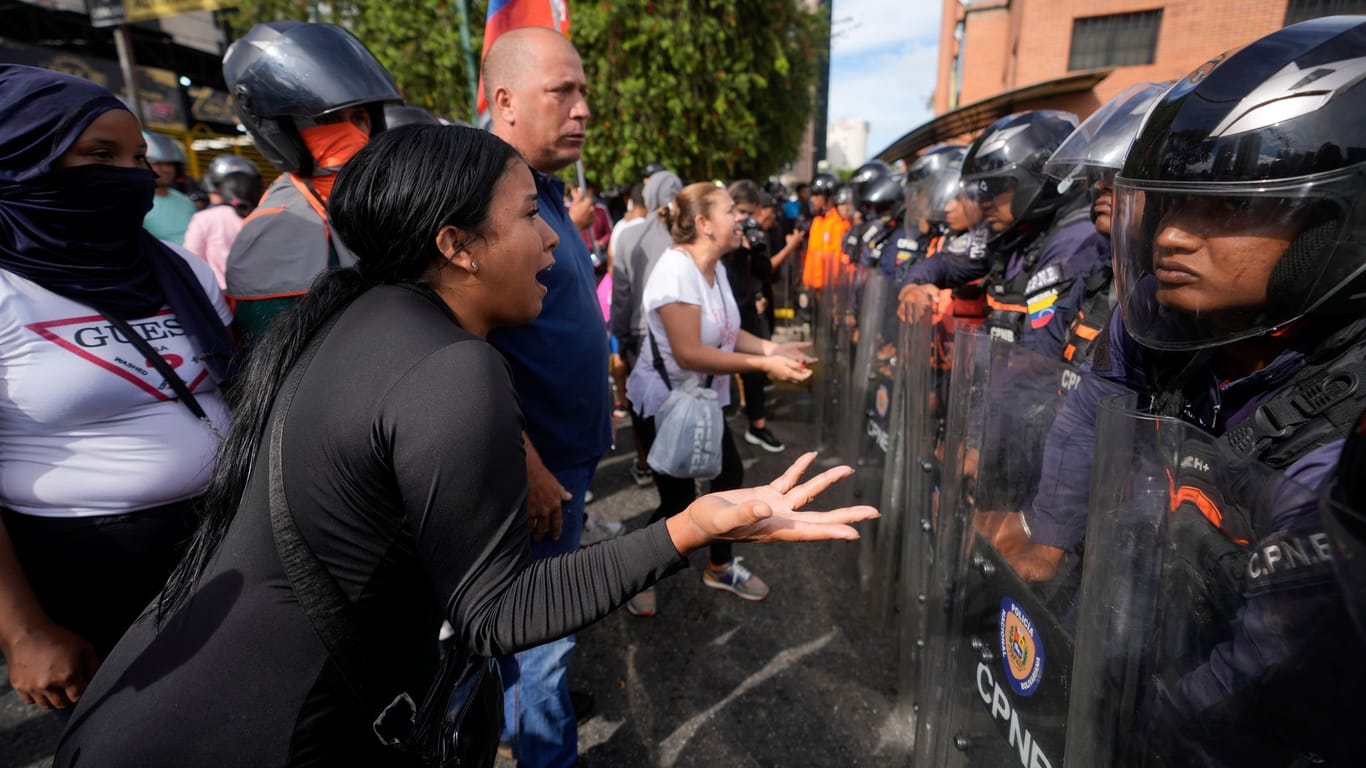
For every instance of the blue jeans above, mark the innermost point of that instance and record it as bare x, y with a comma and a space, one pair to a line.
538, 719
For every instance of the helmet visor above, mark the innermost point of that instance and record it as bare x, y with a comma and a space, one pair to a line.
984, 189
1198, 266
1103, 139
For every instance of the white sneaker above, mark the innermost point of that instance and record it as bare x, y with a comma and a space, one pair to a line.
595, 530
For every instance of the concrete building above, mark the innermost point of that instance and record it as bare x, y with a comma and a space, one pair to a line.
1002, 56
846, 143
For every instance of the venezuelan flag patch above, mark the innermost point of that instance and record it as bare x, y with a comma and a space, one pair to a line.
1041, 308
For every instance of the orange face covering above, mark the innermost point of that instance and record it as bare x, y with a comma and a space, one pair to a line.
331, 146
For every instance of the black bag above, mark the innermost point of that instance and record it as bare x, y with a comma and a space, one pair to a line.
458, 722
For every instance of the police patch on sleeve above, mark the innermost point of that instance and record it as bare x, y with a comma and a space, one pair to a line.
1290, 560
1047, 277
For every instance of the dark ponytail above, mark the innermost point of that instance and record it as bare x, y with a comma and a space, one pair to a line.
241, 191
387, 205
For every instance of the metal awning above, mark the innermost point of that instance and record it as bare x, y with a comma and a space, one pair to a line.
978, 115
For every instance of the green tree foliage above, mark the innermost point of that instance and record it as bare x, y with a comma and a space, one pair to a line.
710, 88
418, 41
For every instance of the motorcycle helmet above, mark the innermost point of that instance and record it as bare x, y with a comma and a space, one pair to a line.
223, 165
1010, 154
163, 149
283, 72
404, 114
1261, 144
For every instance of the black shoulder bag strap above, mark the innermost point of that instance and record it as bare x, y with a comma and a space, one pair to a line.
424, 732
659, 364
173, 380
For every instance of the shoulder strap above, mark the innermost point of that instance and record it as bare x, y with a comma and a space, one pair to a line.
1315, 407
659, 359
168, 373
324, 604
659, 363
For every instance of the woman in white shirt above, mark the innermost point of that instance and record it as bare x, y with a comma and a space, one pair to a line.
101, 455
694, 323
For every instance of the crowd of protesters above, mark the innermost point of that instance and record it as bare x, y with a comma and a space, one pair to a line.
419, 335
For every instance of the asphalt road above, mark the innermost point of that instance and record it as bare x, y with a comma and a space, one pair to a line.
804, 678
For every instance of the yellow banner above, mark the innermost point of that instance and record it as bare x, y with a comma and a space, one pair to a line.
142, 10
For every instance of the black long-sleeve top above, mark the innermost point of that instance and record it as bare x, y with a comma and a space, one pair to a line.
405, 472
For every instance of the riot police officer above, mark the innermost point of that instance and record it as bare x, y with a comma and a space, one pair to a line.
311, 96
1090, 158
1041, 238
1240, 240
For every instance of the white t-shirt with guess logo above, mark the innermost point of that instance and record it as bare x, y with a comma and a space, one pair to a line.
676, 279
87, 425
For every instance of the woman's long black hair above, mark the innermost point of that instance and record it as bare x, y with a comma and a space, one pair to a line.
388, 204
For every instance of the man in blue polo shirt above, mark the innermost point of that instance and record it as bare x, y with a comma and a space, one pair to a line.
537, 100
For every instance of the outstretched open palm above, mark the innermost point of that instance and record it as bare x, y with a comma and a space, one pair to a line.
773, 512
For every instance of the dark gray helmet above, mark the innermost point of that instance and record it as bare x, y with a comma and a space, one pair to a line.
844, 194
163, 149
864, 177
1263, 141
405, 114
223, 165
934, 160
886, 196
1011, 153
824, 184
285, 71
652, 169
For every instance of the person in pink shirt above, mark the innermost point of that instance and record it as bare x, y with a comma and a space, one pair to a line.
213, 229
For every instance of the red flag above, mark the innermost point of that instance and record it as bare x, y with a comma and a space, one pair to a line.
505, 15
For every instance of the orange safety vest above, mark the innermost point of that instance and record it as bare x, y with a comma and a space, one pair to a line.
822, 243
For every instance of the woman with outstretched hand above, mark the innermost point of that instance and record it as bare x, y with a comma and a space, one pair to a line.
378, 415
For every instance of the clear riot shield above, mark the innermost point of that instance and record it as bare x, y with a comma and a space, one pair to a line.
873, 338
1211, 631
823, 348
912, 487
994, 677
844, 283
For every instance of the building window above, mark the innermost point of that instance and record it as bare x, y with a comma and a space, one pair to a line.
1303, 10
1121, 40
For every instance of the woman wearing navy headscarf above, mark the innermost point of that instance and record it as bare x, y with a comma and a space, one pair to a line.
113, 348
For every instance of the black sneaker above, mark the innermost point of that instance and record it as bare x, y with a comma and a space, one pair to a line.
764, 439
585, 706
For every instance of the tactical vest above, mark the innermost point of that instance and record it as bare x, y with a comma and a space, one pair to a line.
1318, 405
1094, 312
1222, 551
1031, 295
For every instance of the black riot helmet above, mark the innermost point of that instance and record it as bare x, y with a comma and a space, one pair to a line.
824, 184
864, 177
886, 196
283, 72
1010, 154
934, 160
405, 114
223, 165
933, 180
1263, 144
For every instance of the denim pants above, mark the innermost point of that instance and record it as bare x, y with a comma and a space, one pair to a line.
538, 719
